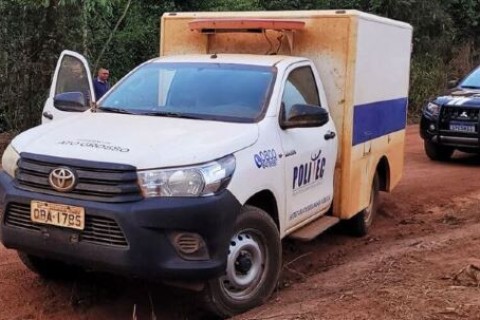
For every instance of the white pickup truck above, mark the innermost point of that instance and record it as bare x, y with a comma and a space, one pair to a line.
251, 127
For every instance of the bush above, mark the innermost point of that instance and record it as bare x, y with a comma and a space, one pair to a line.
428, 78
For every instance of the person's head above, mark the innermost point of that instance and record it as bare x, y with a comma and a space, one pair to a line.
103, 74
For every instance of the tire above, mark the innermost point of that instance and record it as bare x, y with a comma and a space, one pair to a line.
49, 269
360, 223
437, 152
253, 266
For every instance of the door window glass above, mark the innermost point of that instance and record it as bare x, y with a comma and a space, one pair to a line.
72, 77
300, 88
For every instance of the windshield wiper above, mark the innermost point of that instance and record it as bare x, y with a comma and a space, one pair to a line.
173, 115
116, 110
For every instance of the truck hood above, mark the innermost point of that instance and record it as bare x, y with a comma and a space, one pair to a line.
460, 97
145, 142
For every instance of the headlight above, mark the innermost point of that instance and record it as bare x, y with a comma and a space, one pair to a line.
433, 108
195, 181
10, 160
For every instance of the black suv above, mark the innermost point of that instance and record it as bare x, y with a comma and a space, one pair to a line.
451, 122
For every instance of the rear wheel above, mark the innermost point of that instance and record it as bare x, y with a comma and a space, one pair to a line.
253, 266
437, 152
359, 224
49, 269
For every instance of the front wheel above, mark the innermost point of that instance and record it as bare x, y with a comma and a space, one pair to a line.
437, 152
253, 266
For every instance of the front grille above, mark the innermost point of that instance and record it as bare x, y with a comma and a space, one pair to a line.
459, 115
98, 230
105, 182
102, 230
18, 215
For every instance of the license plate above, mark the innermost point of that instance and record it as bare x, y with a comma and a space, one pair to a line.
462, 127
57, 214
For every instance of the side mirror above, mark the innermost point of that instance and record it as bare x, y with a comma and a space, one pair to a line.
70, 101
303, 116
452, 83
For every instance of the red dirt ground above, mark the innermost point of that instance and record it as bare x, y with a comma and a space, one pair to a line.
413, 265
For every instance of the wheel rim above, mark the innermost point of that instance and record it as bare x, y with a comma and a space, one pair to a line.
245, 266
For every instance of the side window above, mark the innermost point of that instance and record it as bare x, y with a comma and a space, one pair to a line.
72, 77
300, 88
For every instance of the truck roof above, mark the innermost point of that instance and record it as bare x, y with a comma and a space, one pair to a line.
250, 59
287, 14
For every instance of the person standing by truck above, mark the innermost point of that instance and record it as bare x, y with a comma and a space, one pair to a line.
100, 83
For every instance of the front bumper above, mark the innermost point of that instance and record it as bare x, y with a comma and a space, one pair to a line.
431, 129
147, 252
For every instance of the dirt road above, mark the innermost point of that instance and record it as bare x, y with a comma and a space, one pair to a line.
417, 263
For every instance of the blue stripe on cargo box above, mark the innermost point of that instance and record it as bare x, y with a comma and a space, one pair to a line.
379, 118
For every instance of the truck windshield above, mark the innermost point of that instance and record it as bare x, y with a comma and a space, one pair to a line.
211, 91
472, 81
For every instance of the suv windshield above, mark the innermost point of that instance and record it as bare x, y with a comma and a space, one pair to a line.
212, 91
472, 81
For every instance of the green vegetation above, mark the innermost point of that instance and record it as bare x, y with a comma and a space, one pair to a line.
119, 34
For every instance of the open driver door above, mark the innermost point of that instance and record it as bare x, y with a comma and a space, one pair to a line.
71, 90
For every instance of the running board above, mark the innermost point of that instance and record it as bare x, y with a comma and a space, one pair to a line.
314, 228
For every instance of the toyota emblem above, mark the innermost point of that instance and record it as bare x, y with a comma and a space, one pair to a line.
62, 179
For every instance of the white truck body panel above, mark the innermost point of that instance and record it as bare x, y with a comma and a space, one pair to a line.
377, 55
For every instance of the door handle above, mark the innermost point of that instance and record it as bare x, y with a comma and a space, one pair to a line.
48, 115
329, 135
